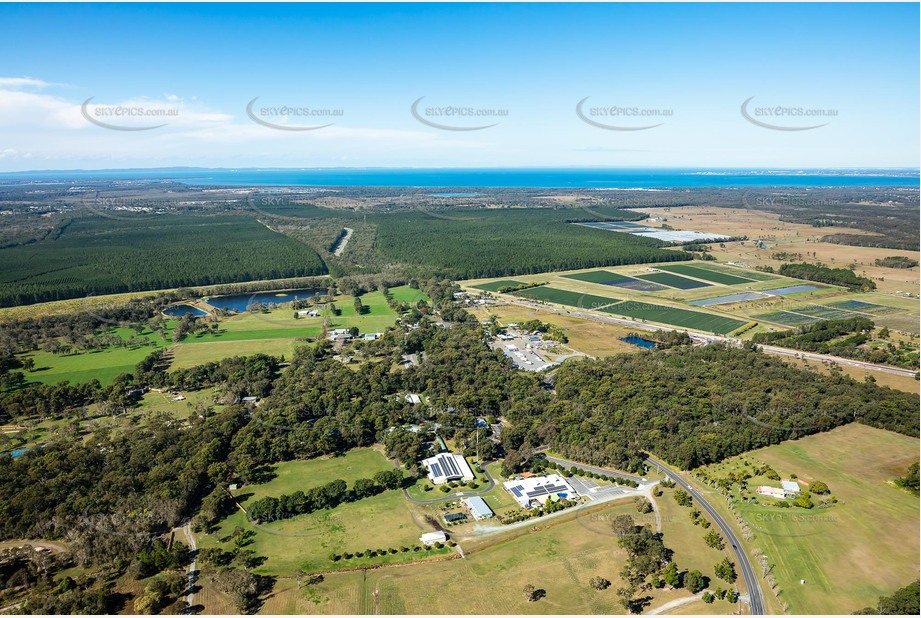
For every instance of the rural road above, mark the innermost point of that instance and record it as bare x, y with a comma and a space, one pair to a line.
193, 567
756, 600
571, 464
709, 338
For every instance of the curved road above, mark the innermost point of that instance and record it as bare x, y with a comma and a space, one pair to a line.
756, 599
572, 464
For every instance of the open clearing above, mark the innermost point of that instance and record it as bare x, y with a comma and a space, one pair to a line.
863, 547
304, 542
559, 555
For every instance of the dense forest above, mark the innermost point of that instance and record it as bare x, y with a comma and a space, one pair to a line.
493, 243
95, 255
694, 406
835, 276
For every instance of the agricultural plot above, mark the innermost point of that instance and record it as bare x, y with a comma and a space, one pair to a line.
862, 307
605, 277
493, 286
754, 275
706, 275
566, 297
673, 281
673, 316
595, 276
787, 318
637, 285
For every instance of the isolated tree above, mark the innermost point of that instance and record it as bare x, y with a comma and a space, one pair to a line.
714, 540
683, 498
818, 487
642, 504
726, 570
671, 576
622, 525
599, 583
694, 581
534, 594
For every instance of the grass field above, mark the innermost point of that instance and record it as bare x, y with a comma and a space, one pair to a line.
190, 355
274, 332
559, 555
406, 294
595, 276
103, 365
673, 281
305, 542
863, 547
565, 297
705, 274
493, 286
676, 317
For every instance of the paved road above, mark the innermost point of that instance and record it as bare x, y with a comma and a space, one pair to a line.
756, 599
709, 338
597, 470
193, 567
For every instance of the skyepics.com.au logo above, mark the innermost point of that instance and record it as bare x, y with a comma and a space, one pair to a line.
621, 118
291, 117
133, 117
456, 117
130, 208
789, 522
785, 117
750, 199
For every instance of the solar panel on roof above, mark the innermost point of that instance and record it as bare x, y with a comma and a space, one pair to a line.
436, 470
450, 466
516, 491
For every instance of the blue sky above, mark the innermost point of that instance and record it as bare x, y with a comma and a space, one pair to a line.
685, 67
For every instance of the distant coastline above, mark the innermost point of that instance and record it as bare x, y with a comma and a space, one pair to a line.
534, 178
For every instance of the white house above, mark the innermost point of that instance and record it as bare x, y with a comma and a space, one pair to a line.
538, 489
772, 492
446, 467
790, 488
430, 538
340, 334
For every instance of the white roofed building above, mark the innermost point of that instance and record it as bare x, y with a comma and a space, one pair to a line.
430, 538
790, 488
538, 489
446, 467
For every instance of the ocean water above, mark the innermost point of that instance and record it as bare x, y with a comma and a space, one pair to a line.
589, 178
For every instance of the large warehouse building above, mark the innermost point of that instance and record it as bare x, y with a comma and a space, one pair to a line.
537, 490
446, 467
